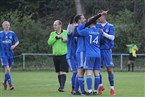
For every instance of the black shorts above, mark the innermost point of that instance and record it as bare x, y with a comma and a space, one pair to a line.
60, 63
131, 58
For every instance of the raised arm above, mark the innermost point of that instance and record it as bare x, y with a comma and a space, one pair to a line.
95, 18
70, 27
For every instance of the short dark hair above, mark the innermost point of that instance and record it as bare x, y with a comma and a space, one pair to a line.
77, 18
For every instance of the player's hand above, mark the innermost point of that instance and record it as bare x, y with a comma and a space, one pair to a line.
101, 30
59, 36
104, 12
72, 19
13, 47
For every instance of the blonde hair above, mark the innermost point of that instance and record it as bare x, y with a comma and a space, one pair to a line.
5, 22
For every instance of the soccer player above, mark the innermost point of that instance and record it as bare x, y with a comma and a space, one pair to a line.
71, 52
80, 55
9, 41
107, 43
59, 47
93, 56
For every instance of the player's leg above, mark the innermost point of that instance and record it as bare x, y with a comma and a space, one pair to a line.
4, 62
7, 64
80, 74
63, 70
73, 67
109, 65
57, 69
128, 65
97, 73
89, 81
130, 57
111, 80
101, 86
96, 82
76, 87
132, 65
89, 66
10, 61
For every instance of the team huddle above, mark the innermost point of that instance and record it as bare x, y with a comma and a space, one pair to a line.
89, 47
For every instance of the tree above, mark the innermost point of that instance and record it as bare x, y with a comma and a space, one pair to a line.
138, 10
79, 6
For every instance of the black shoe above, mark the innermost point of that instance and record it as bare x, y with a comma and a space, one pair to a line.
61, 90
84, 93
94, 93
89, 94
76, 93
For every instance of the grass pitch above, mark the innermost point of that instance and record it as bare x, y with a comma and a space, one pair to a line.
45, 84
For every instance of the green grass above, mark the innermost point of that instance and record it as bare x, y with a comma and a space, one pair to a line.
45, 84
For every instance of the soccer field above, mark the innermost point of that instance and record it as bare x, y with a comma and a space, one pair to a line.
44, 84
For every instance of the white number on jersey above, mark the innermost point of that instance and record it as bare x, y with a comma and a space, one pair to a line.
93, 40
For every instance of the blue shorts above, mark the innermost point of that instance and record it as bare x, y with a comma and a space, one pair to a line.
80, 59
72, 63
7, 61
92, 63
106, 58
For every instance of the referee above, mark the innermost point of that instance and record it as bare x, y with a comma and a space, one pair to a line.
59, 47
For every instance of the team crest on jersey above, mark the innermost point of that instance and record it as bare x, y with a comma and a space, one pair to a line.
10, 37
107, 30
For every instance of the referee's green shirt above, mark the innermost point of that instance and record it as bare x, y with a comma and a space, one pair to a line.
58, 46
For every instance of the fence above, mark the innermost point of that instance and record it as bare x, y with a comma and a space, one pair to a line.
41, 61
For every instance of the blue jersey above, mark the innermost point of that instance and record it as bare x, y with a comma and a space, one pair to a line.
71, 45
80, 40
7, 40
92, 41
105, 42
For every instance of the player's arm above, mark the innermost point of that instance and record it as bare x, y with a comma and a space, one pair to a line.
129, 45
76, 34
70, 27
16, 44
95, 18
15, 41
92, 20
52, 39
81, 30
135, 47
110, 35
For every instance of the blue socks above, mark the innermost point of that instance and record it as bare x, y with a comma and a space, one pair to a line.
76, 88
81, 84
100, 78
111, 79
8, 78
89, 82
73, 79
96, 82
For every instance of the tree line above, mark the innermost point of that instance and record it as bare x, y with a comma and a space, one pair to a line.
32, 20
